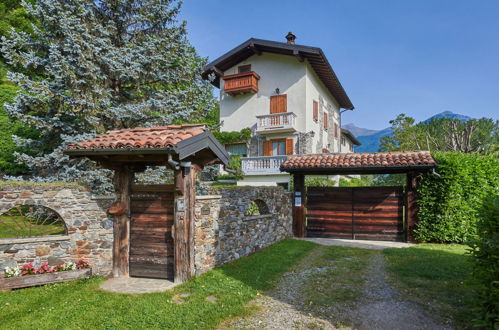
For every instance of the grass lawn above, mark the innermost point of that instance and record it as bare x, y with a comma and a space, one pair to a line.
435, 276
21, 226
81, 304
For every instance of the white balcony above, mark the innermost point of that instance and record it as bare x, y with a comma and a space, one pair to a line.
276, 122
265, 165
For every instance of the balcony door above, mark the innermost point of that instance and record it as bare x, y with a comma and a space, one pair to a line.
278, 147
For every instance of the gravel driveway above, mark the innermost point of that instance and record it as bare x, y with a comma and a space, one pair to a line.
379, 307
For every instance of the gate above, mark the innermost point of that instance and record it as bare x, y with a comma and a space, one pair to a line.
372, 213
151, 241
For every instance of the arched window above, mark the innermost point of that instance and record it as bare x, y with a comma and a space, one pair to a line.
30, 221
257, 207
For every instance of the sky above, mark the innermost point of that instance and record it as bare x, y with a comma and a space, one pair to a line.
418, 57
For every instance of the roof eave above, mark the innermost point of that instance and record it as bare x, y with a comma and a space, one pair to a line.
359, 169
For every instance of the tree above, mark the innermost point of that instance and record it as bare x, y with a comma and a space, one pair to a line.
442, 134
106, 64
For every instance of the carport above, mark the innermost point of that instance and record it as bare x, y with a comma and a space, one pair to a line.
375, 213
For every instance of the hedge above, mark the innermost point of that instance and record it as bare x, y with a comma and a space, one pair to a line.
450, 201
485, 250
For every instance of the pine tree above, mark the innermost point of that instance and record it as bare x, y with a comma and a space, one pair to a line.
103, 65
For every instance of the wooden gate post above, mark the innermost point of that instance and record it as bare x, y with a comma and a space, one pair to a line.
411, 206
299, 205
185, 197
121, 227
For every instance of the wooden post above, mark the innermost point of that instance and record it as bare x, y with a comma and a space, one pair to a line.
411, 206
185, 197
299, 197
121, 228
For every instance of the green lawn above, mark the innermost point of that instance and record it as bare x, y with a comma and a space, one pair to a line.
82, 305
21, 226
436, 276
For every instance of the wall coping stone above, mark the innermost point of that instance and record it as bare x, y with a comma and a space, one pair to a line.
203, 197
256, 217
34, 239
103, 197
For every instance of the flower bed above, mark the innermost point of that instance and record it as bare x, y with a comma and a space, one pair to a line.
28, 275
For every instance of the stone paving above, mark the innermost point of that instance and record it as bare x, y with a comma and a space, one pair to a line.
373, 245
136, 285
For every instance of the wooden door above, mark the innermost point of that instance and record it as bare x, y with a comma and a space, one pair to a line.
278, 103
151, 241
371, 213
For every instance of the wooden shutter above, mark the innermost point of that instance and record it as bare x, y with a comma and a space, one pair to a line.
289, 146
267, 148
335, 130
326, 123
316, 111
278, 103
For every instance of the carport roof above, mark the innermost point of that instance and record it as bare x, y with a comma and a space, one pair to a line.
359, 163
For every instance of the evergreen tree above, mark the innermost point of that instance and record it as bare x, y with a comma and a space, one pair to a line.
105, 64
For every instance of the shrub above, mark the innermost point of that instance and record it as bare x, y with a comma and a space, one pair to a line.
485, 250
233, 137
450, 202
320, 182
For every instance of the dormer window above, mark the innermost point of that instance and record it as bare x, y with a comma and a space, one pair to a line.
244, 68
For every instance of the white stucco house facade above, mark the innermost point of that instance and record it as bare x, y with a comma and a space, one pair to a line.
290, 98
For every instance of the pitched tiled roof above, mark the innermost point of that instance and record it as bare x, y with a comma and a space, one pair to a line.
140, 138
359, 160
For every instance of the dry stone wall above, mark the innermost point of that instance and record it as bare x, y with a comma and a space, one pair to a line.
223, 232
89, 229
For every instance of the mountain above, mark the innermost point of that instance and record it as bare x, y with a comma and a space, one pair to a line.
370, 138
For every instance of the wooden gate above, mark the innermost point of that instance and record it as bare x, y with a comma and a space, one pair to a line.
151, 241
373, 213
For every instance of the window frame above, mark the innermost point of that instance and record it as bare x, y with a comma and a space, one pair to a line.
241, 68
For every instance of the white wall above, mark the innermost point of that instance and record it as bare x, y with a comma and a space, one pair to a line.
264, 180
276, 71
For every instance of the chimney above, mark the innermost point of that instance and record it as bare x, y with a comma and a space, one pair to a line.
290, 37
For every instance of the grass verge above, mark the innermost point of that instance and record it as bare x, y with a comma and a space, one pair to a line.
437, 277
81, 304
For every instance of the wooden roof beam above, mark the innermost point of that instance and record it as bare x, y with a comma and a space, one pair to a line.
297, 54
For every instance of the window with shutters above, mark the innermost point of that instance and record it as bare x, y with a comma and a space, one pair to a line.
278, 103
316, 111
326, 121
244, 68
278, 147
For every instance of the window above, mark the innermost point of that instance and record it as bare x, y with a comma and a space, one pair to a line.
335, 130
237, 149
343, 141
278, 147
244, 68
326, 121
316, 111
30, 221
278, 103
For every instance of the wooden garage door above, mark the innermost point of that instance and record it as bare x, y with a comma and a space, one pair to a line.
373, 213
151, 242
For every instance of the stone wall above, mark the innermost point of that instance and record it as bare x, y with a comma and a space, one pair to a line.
89, 229
223, 231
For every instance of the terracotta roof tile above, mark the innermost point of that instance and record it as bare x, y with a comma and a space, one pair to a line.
363, 160
141, 138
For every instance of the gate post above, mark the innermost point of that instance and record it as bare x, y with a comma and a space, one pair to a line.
183, 241
299, 197
411, 206
121, 228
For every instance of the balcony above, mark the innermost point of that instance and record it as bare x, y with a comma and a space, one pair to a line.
264, 165
276, 122
241, 83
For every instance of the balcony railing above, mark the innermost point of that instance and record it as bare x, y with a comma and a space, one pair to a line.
241, 83
284, 121
262, 165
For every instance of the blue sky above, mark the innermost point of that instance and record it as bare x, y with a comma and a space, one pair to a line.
417, 57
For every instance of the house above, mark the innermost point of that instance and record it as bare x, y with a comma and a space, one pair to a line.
290, 98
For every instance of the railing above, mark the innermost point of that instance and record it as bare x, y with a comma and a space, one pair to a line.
262, 165
241, 83
281, 121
